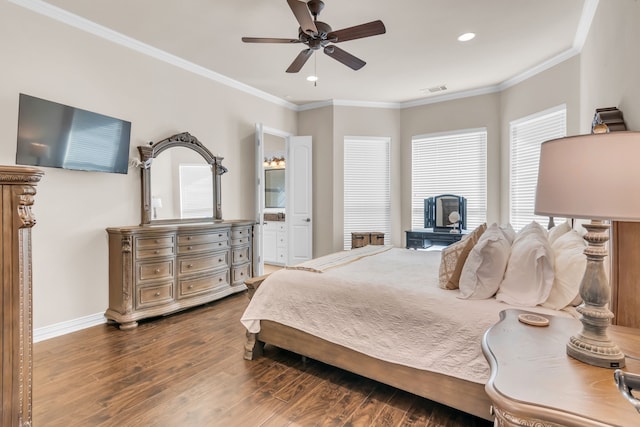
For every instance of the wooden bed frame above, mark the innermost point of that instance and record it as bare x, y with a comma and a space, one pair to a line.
464, 395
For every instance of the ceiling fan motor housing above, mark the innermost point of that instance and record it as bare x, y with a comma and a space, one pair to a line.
315, 7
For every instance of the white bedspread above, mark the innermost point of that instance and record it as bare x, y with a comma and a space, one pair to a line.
387, 305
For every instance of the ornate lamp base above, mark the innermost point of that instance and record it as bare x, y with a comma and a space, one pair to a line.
592, 345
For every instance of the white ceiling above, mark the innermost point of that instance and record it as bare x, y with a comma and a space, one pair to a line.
419, 50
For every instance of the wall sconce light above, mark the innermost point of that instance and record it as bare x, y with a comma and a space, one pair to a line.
274, 162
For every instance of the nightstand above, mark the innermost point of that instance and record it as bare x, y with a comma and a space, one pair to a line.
534, 382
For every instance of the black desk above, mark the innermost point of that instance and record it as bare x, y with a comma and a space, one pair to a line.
422, 238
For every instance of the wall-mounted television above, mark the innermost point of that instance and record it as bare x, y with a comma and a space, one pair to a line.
60, 136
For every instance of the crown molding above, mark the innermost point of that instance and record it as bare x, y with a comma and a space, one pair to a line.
61, 15
65, 17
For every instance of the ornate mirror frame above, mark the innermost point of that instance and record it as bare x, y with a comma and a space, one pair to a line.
184, 139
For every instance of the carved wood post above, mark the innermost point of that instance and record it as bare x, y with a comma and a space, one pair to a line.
17, 188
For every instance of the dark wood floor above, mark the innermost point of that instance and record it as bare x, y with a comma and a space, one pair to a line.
187, 370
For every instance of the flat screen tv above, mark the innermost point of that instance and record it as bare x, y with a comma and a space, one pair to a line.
59, 136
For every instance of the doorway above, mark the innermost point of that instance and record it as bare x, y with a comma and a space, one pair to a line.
283, 232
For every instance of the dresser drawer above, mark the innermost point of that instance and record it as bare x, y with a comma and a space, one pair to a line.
197, 238
241, 233
197, 264
154, 295
240, 241
198, 285
202, 247
154, 252
155, 270
240, 255
149, 247
240, 274
154, 242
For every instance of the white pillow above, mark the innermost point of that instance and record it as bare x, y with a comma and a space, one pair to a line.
558, 231
508, 232
529, 275
484, 268
570, 264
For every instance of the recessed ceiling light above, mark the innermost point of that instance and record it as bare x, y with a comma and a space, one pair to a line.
466, 37
312, 78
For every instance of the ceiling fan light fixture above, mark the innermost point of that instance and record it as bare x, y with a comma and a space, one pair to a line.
466, 37
312, 78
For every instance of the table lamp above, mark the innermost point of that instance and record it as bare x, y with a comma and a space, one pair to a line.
594, 177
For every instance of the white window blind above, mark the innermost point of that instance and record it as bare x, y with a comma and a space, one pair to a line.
367, 187
92, 142
450, 163
526, 135
196, 197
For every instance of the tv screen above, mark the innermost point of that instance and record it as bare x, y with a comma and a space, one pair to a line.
59, 136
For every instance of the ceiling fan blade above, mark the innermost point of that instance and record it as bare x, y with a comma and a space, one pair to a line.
300, 60
345, 57
303, 15
268, 40
359, 31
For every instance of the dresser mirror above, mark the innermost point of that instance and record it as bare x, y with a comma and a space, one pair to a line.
182, 184
446, 212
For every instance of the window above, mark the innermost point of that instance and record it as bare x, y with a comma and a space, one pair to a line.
450, 163
526, 135
367, 188
196, 197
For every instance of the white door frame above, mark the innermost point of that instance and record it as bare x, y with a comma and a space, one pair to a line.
258, 249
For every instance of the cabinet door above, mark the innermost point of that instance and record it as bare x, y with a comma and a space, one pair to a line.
270, 244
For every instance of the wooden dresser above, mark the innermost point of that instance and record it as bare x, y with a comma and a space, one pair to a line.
159, 269
17, 186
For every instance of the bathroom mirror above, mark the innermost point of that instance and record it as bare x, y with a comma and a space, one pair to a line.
274, 188
183, 184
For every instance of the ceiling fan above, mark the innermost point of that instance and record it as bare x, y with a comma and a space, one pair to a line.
316, 35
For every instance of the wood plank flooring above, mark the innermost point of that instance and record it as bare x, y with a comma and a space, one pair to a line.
187, 370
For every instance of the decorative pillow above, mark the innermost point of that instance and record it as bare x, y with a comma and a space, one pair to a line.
558, 231
570, 264
450, 256
529, 276
454, 257
485, 266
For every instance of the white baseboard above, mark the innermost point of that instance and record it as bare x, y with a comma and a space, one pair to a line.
62, 328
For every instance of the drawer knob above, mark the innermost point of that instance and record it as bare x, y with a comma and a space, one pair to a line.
219, 259
240, 255
157, 294
156, 271
156, 252
220, 244
242, 273
188, 237
157, 241
190, 286
189, 248
219, 235
219, 279
189, 265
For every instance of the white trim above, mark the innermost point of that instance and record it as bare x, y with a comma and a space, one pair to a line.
76, 21
588, 13
68, 326
61, 15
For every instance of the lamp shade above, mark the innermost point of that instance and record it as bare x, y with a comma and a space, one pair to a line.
590, 177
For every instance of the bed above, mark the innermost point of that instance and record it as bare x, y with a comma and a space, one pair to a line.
403, 330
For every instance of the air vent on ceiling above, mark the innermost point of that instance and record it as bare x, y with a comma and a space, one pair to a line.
437, 88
